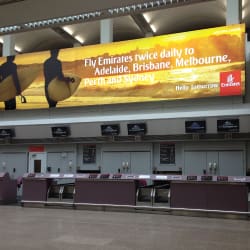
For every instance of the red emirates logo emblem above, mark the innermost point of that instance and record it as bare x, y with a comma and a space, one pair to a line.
230, 83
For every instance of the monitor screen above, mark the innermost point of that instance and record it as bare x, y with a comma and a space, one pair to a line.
137, 129
60, 131
7, 133
195, 126
228, 125
110, 129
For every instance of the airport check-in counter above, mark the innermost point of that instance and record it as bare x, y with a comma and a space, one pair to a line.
35, 188
8, 189
86, 189
42, 188
105, 189
209, 193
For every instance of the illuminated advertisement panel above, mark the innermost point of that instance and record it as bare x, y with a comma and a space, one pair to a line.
196, 64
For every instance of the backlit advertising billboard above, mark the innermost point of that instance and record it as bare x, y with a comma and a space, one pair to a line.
195, 64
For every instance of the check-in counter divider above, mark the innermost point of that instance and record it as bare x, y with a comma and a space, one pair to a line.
144, 195
68, 192
161, 195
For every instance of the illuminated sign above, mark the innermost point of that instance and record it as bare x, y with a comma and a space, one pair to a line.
195, 64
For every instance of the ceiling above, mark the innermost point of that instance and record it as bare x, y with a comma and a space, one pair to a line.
177, 18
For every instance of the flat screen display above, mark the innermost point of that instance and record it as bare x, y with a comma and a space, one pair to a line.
195, 64
137, 128
228, 125
195, 126
60, 131
7, 133
110, 129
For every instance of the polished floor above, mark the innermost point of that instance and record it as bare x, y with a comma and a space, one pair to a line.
24, 228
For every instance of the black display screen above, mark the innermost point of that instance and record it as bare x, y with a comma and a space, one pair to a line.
195, 126
60, 131
7, 133
167, 153
110, 129
229, 125
137, 129
89, 153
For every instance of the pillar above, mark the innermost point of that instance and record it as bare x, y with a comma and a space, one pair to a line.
8, 45
234, 10
106, 31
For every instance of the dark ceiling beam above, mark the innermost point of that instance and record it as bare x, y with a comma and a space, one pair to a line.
4, 2
142, 23
66, 35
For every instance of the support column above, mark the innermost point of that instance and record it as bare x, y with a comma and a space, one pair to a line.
234, 12
8, 45
106, 31
247, 80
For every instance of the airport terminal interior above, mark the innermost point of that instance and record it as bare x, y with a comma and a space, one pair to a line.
125, 119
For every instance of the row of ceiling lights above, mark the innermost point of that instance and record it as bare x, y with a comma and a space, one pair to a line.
89, 16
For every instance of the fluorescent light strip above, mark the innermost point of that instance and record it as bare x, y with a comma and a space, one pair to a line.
68, 30
79, 39
18, 49
153, 28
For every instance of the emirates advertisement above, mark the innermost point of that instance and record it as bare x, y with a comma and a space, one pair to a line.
196, 64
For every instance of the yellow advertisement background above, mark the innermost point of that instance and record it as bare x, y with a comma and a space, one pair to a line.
174, 75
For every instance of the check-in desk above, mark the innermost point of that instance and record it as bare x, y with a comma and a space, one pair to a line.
167, 193
8, 189
105, 191
210, 193
35, 188
96, 189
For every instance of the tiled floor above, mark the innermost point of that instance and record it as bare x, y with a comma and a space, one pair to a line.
24, 228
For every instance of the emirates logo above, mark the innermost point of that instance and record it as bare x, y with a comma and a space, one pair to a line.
230, 83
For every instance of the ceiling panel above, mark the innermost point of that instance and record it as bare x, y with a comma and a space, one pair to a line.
163, 21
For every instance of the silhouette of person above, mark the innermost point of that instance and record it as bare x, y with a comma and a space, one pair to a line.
52, 69
9, 68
